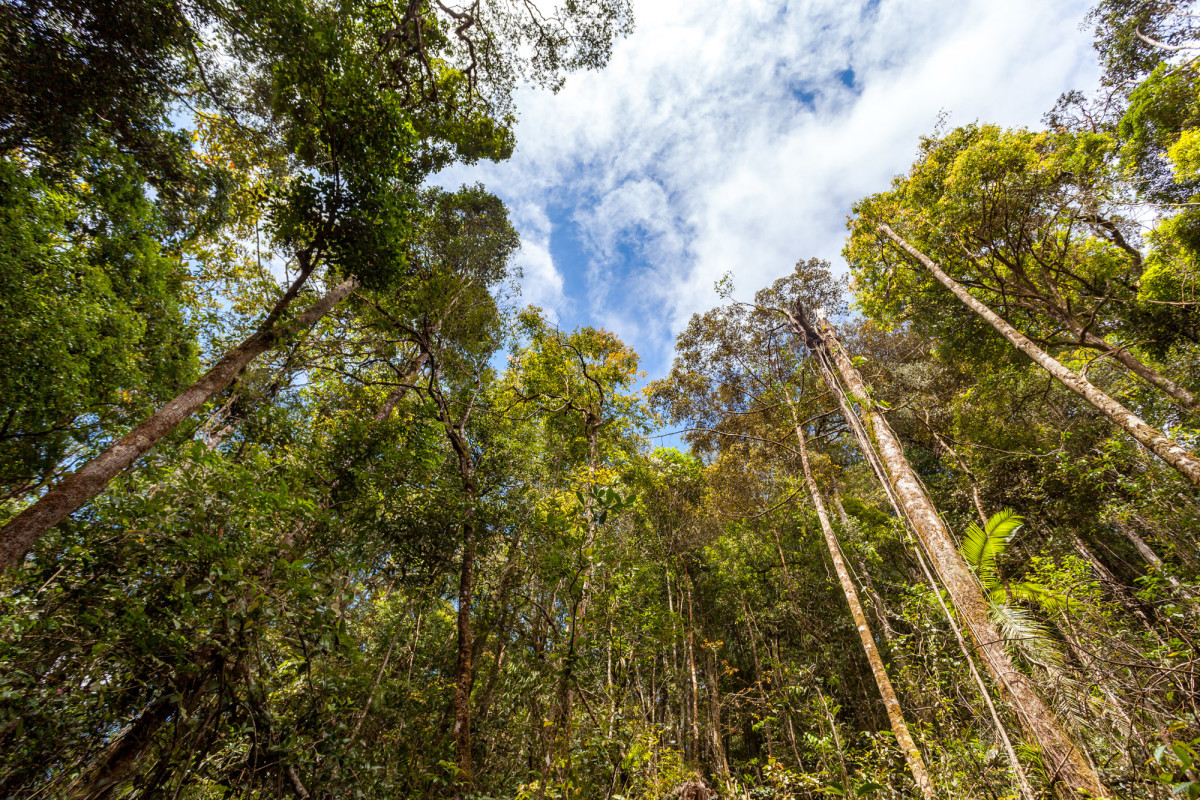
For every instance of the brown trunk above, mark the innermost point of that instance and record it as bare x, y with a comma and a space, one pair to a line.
462, 669
1167, 449
912, 755
117, 763
455, 429
1065, 762
23, 531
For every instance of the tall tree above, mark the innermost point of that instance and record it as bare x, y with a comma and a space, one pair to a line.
1066, 763
1168, 450
347, 203
912, 755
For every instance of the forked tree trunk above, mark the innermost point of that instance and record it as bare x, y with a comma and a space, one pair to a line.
1065, 762
1167, 449
1121, 355
23, 530
912, 755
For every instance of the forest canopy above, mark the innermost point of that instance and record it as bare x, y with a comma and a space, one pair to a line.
296, 499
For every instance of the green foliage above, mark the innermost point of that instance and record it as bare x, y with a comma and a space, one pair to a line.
275, 602
98, 314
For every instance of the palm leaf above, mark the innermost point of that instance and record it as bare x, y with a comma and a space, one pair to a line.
1024, 635
1049, 600
981, 548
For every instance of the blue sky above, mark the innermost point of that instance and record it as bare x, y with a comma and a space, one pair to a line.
733, 137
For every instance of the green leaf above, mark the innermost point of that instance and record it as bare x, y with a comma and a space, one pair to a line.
981, 548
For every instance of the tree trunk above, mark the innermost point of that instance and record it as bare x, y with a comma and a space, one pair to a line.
1145, 551
764, 698
566, 686
1180, 395
1065, 762
1119, 590
389, 405
714, 725
912, 755
23, 530
387, 657
695, 684
825, 367
462, 669
455, 429
1167, 449
117, 763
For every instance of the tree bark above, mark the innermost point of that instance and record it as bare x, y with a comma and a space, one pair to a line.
1066, 764
1180, 395
1145, 551
826, 368
462, 669
23, 530
455, 429
118, 761
916, 764
695, 684
1167, 449
389, 405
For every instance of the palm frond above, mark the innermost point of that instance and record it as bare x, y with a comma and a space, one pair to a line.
981, 548
1025, 636
1049, 600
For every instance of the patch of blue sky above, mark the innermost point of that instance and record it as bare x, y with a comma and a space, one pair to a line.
720, 141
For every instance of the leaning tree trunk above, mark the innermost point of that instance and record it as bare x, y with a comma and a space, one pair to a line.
118, 762
1121, 355
1167, 449
895, 714
826, 368
23, 530
1065, 762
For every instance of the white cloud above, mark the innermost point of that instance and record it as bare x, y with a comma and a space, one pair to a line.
541, 282
725, 137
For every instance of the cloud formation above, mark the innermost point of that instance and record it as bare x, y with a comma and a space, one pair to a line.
734, 137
